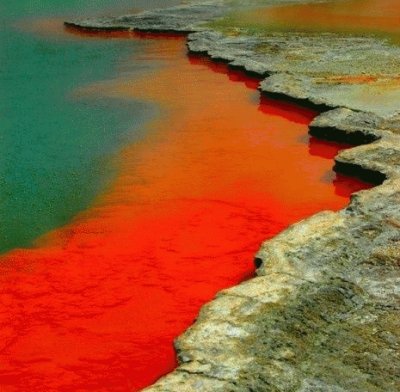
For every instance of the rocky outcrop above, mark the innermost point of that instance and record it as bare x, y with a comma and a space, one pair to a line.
184, 18
323, 312
321, 316
324, 70
364, 127
180, 19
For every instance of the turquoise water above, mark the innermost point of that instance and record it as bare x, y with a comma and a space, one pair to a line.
56, 150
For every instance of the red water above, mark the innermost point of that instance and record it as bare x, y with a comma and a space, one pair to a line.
96, 304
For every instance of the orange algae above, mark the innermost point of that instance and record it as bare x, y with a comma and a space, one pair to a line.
96, 304
346, 16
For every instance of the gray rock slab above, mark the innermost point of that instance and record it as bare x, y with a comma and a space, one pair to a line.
371, 125
321, 316
183, 18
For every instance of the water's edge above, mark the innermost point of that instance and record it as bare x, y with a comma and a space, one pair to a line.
320, 285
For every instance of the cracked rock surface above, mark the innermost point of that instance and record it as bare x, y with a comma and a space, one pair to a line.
323, 312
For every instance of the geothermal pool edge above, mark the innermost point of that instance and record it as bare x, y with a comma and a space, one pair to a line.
323, 312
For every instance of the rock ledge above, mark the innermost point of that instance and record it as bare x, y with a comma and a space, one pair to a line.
323, 313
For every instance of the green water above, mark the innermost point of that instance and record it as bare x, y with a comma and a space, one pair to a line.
56, 150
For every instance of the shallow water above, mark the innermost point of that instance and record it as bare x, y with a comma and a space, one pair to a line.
55, 150
96, 304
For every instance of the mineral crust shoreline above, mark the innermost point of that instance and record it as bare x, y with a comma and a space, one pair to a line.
323, 312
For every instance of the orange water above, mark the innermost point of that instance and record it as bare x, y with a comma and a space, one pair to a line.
96, 304
354, 16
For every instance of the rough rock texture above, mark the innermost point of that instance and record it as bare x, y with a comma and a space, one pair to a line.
323, 313
183, 19
321, 316
360, 126
326, 70
378, 158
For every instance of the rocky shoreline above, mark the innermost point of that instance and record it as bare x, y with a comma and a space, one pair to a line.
323, 312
